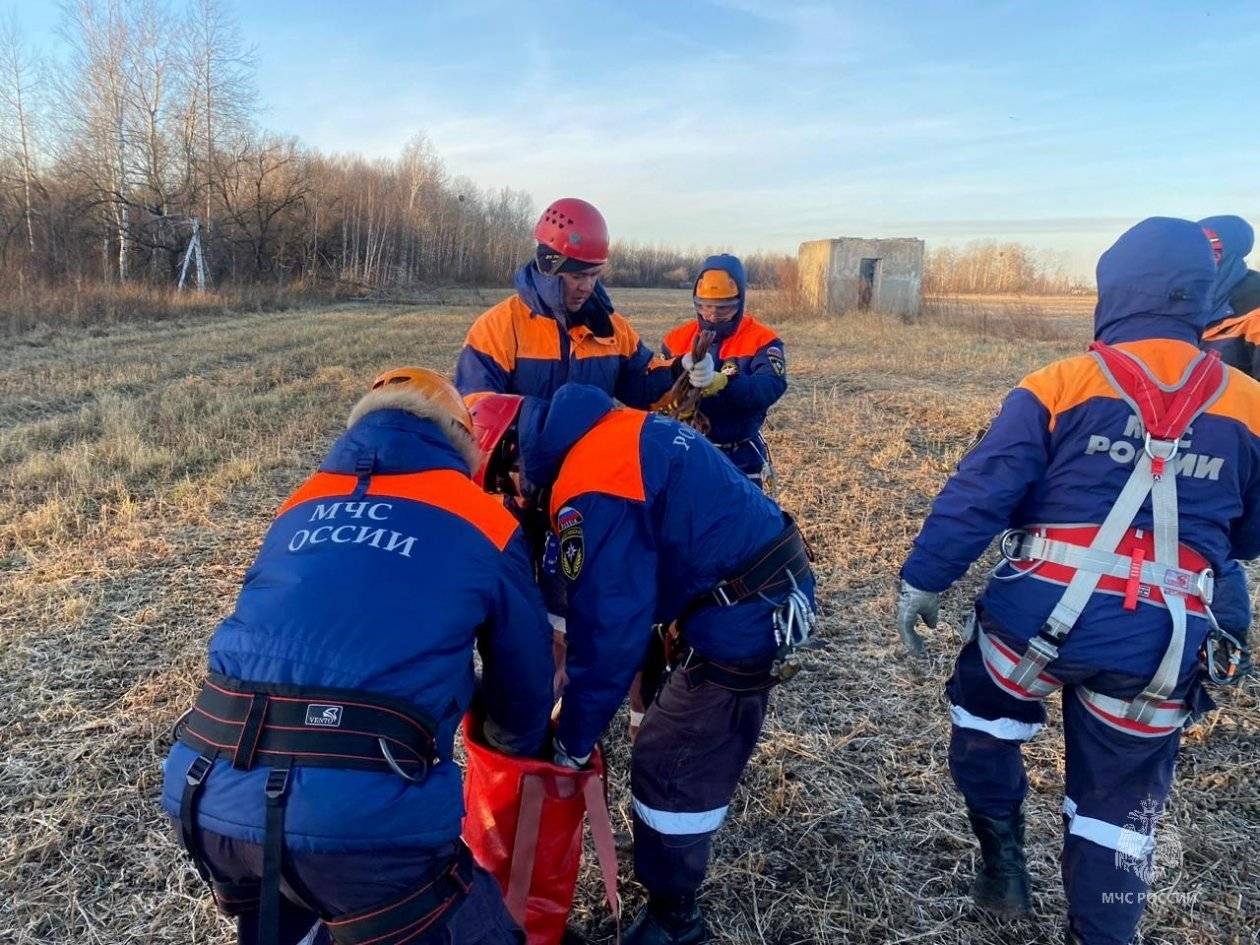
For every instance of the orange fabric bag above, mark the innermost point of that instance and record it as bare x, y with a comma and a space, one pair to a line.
523, 823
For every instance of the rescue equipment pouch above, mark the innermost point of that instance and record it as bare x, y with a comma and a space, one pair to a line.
283, 727
524, 825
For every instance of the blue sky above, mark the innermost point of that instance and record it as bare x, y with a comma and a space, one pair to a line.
759, 125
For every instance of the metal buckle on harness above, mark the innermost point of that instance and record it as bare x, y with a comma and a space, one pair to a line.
277, 783
1011, 544
198, 770
1205, 585
723, 598
1157, 461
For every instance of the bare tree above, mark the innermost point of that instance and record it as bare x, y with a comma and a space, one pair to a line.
18, 70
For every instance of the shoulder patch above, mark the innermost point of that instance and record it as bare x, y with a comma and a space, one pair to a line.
572, 547
774, 354
730, 367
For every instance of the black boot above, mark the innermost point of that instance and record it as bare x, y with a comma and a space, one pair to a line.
676, 921
1001, 885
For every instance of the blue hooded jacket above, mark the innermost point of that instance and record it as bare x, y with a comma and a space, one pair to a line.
1237, 240
752, 356
529, 344
1064, 444
632, 504
387, 594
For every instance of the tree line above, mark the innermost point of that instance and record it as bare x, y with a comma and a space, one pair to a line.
993, 268
111, 156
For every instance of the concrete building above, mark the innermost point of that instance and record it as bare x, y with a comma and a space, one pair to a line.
844, 275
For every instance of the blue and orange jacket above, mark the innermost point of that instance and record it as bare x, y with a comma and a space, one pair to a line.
752, 357
640, 538
385, 590
528, 344
1064, 444
1234, 321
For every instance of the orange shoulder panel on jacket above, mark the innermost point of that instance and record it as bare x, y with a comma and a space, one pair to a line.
1068, 383
1240, 400
678, 341
322, 485
606, 460
493, 334
453, 491
445, 488
749, 338
1251, 326
1232, 327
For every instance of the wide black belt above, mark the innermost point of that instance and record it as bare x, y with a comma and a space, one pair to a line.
779, 566
263, 723
697, 669
280, 727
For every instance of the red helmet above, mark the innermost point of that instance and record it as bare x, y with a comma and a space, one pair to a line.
574, 228
494, 418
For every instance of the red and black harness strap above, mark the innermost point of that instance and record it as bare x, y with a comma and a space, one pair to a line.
282, 727
778, 566
416, 913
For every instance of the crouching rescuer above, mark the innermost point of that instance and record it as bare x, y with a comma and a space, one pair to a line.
1131, 475
643, 541
313, 781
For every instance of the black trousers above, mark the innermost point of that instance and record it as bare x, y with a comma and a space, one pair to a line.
694, 744
326, 885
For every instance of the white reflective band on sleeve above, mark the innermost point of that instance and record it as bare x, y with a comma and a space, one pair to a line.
1121, 839
680, 823
1011, 730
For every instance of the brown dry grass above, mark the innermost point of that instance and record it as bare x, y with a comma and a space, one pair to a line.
141, 464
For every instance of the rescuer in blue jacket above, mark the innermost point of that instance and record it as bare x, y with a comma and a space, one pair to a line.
560, 326
1128, 476
747, 352
641, 543
324, 733
1234, 317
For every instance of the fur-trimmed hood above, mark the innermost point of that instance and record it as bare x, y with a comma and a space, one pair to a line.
385, 410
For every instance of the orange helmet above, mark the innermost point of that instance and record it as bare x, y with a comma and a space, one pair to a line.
717, 285
434, 387
494, 418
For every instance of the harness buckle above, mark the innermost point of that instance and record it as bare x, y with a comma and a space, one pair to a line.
1159, 459
198, 770
277, 783
1011, 544
723, 596
1205, 585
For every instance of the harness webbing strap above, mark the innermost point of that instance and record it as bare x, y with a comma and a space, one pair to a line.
276, 790
1166, 414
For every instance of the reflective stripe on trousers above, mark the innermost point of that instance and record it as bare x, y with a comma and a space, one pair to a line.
691, 750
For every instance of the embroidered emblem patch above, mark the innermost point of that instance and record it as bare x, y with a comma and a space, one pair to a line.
323, 716
572, 548
730, 367
774, 355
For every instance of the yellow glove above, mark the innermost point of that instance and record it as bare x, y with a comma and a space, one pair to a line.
720, 380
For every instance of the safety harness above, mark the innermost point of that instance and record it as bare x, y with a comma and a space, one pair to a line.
1115, 557
782, 565
284, 727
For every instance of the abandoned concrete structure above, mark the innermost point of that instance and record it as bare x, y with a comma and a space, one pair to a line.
846, 274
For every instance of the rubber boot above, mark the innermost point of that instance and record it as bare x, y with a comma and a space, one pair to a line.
1001, 885
668, 922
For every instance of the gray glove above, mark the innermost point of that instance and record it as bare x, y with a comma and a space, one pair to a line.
913, 604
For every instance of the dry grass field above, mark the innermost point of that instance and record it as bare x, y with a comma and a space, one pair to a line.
140, 465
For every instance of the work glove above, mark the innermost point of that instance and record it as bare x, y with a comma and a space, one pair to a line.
700, 375
913, 604
720, 380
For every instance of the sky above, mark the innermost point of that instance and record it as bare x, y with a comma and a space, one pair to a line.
758, 125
